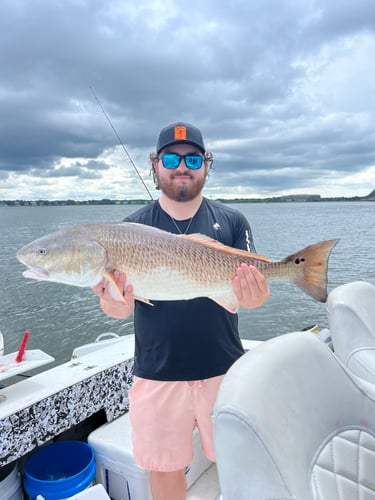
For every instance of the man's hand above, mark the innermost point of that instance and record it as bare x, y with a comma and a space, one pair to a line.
115, 307
250, 287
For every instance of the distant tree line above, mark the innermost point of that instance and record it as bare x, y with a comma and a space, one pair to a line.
43, 203
106, 201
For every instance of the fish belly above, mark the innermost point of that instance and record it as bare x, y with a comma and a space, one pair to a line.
166, 284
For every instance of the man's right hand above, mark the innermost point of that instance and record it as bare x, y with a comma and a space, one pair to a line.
115, 307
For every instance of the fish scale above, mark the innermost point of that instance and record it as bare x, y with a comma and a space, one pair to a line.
164, 266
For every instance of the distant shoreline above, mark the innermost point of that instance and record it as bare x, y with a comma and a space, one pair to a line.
274, 199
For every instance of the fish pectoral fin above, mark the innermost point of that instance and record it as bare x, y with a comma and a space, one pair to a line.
116, 293
145, 301
114, 290
208, 242
229, 302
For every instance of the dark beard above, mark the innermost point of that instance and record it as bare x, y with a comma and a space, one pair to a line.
183, 192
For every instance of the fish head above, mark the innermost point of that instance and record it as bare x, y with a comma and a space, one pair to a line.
67, 256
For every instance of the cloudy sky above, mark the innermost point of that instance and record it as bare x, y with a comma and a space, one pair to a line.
283, 90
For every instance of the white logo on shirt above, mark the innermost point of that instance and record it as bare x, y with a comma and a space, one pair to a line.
216, 226
248, 244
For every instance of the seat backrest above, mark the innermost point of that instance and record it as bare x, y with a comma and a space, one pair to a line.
351, 320
290, 423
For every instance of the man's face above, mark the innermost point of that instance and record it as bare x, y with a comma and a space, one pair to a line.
182, 183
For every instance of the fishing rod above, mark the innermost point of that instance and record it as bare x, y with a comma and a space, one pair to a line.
121, 142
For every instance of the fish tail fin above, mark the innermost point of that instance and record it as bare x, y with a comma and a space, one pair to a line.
311, 266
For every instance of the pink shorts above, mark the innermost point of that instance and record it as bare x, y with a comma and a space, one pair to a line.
163, 416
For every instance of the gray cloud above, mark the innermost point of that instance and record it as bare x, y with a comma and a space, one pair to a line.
273, 85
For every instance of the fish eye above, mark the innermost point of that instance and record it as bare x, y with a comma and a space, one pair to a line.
42, 251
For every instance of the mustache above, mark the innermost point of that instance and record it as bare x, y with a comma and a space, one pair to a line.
183, 174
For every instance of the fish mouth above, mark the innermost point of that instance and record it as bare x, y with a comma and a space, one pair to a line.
36, 273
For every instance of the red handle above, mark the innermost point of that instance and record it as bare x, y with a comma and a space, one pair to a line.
21, 350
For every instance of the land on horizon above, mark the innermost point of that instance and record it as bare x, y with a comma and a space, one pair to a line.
289, 198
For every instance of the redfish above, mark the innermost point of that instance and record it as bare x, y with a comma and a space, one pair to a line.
165, 266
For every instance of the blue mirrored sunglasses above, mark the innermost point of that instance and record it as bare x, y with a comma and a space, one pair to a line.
172, 160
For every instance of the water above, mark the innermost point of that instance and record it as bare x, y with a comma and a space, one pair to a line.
61, 317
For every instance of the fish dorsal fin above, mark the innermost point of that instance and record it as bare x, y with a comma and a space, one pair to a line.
208, 242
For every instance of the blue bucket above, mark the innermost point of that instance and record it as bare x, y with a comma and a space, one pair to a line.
59, 470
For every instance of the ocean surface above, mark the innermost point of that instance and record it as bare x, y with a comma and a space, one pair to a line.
61, 317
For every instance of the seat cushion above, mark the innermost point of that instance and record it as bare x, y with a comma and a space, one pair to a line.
345, 467
351, 319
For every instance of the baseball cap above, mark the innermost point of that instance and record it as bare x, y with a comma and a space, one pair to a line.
180, 133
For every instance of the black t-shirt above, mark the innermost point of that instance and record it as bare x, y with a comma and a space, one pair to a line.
189, 339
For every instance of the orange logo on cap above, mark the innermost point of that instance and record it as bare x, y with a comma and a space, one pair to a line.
180, 133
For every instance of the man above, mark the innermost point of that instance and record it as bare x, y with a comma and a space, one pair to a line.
182, 348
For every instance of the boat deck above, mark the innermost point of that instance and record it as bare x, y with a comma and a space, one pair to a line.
206, 487
94, 383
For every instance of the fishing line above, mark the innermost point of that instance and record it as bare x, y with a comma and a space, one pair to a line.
120, 141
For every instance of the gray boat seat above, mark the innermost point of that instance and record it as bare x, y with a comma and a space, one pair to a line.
351, 321
291, 423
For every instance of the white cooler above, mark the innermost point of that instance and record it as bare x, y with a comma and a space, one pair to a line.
116, 470
96, 492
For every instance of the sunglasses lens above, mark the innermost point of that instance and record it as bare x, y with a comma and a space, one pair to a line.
171, 161
193, 161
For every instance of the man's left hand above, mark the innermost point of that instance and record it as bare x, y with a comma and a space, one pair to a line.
250, 287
